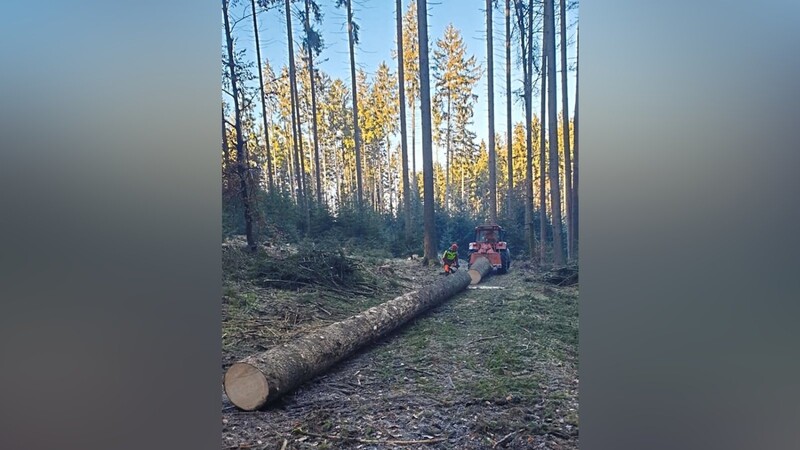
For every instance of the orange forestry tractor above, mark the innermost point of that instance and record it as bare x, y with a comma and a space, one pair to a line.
489, 244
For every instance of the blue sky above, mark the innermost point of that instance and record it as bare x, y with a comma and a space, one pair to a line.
376, 19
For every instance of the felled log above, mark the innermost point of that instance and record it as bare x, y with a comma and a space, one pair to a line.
262, 378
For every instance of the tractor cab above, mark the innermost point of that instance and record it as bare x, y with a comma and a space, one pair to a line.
489, 244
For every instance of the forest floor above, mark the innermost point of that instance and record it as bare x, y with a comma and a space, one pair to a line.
486, 369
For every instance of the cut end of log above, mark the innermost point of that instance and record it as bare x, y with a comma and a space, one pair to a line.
475, 276
480, 268
246, 386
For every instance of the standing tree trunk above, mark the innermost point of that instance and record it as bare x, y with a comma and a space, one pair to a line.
555, 192
575, 162
357, 131
270, 181
390, 179
526, 47
567, 157
414, 145
240, 145
529, 138
427, 141
313, 104
510, 156
543, 161
447, 159
226, 153
294, 108
403, 140
490, 72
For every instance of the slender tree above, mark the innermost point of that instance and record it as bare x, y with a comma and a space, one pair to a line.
313, 45
524, 15
543, 158
567, 157
263, 98
296, 152
403, 144
490, 75
352, 38
225, 149
552, 125
240, 144
427, 140
575, 209
510, 155
411, 71
529, 135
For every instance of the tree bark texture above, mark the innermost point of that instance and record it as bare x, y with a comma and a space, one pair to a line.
263, 98
555, 191
356, 129
403, 127
575, 209
427, 137
313, 88
490, 73
241, 169
262, 378
567, 150
509, 150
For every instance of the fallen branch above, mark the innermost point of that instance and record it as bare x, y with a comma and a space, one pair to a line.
369, 441
482, 339
506, 438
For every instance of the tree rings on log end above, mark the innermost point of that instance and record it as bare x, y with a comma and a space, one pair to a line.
475, 276
246, 386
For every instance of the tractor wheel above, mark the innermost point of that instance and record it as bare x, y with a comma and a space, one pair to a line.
505, 259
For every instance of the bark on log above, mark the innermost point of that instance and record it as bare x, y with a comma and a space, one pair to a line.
254, 381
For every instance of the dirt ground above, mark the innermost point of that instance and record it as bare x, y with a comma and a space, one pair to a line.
486, 369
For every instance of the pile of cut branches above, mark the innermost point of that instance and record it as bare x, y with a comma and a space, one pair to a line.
309, 267
563, 276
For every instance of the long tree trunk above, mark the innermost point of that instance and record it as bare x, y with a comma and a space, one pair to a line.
313, 104
390, 179
226, 153
543, 161
357, 131
379, 177
403, 130
510, 155
490, 73
575, 209
447, 159
263, 99
300, 160
427, 141
555, 192
262, 378
294, 108
304, 174
528, 83
414, 145
567, 157
240, 145
295, 169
